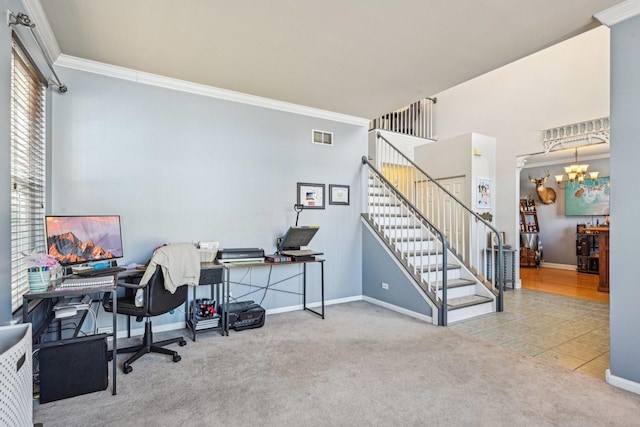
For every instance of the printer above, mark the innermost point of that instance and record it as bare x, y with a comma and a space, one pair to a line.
244, 315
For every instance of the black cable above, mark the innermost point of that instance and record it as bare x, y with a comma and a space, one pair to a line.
235, 299
266, 289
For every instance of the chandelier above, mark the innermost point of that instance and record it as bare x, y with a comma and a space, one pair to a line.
576, 174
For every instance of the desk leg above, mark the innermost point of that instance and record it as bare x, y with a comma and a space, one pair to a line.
226, 306
304, 292
25, 310
193, 321
322, 285
114, 360
304, 286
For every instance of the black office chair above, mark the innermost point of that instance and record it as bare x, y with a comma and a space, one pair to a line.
157, 300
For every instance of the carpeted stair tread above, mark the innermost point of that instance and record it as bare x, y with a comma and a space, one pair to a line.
407, 254
401, 226
457, 283
438, 267
466, 301
394, 215
386, 204
412, 239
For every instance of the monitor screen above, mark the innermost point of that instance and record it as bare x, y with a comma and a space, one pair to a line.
296, 237
81, 239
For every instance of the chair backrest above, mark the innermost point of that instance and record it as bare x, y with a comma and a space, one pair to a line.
160, 300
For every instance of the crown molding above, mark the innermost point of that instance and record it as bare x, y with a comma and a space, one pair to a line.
618, 13
204, 90
33, 8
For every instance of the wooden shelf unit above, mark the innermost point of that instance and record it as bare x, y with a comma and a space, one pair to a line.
528, 216
530, 254
592, 252
587, 250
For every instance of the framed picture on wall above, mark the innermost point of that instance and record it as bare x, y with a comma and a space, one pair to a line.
311, 196
338, 194
588, 198
483, 193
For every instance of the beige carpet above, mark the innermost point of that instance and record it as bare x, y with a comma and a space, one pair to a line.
362, 365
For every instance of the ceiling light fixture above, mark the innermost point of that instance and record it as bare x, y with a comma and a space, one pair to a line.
576, 174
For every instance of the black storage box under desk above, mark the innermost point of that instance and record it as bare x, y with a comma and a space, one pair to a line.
73, 367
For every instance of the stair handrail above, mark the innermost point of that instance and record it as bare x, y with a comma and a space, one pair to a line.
442, 313
478, 218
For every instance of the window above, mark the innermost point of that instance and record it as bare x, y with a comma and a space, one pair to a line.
28, 155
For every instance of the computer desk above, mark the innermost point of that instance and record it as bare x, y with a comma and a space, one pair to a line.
269, 286
50, 294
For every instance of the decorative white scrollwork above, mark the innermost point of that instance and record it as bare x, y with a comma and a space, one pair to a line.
596, 130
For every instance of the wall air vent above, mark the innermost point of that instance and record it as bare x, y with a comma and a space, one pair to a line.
322, 137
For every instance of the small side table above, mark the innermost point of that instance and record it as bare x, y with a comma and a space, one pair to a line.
509, 257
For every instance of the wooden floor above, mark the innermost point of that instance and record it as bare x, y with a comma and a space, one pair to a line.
563, 282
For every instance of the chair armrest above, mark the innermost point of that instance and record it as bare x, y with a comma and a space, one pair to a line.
130, 290
131, 285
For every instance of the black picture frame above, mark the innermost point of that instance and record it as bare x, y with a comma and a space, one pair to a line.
339, 194
311, 196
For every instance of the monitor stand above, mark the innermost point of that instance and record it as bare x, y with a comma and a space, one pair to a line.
67, 271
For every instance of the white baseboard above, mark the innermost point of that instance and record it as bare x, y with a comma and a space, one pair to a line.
622, 383
313, 305
558, 266
397, 309
182, 325
156, 328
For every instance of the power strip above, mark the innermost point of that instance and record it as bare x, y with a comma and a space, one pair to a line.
67, 311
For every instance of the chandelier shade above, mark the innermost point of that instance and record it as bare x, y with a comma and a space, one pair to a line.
576, 173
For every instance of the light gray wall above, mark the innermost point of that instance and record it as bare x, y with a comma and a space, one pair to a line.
378, 266
558, 231
183, 167
625, 152
446, 158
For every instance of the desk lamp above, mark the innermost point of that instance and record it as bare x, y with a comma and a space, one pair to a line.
298, 208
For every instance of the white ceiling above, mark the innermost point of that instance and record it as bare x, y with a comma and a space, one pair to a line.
358, 57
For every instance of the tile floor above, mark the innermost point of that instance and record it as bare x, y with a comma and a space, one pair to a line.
563, 331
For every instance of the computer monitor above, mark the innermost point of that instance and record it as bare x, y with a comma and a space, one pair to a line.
83, 239
295, 237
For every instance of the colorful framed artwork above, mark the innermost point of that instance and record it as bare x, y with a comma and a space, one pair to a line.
588, 198
483, 193
311, 196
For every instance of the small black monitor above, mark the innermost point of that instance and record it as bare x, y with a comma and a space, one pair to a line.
295, 237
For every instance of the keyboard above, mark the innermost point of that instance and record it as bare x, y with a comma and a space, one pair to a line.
84, 283
100, 272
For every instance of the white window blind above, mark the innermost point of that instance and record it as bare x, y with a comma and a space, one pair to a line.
28, 155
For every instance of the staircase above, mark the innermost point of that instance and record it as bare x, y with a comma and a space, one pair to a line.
451, 276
